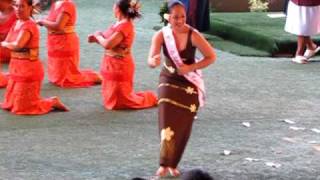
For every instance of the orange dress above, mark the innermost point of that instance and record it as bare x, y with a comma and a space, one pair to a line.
22, 95
64, 54
118, 74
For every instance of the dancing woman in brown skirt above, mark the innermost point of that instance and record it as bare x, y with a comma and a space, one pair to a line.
181, 89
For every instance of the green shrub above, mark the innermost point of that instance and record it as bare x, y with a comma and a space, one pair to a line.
164, 10
258, 5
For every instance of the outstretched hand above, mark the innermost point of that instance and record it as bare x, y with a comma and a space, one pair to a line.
92, 38
154, 61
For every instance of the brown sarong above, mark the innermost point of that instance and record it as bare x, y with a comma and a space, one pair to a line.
178, 105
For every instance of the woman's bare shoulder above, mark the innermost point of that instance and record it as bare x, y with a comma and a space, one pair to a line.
158, 35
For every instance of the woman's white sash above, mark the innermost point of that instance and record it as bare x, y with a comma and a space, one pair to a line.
193, 77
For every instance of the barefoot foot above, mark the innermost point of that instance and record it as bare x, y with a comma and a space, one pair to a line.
99, 79
58, 104
174, 172
162, 171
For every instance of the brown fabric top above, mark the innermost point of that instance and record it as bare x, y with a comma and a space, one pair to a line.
307, 2
188, 54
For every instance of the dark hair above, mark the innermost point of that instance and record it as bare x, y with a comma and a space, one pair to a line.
33, 10
173, 3
129, 8
196, 174
30, 2
138, 178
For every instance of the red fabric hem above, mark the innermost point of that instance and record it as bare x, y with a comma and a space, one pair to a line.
306, 2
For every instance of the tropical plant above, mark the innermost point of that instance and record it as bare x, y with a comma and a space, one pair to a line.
164, 10
258, 5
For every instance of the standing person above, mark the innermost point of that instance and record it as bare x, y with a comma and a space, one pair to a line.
7, 19
285, 6
63, 48
192, 13
117, 67
203, 15
198, 14
303, 20
22, 95
181, 88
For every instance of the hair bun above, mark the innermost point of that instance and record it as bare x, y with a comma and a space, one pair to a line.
129, 8
135, 5
36, 8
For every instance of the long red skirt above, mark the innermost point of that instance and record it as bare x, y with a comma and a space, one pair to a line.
63, 63
22, 95
117, 86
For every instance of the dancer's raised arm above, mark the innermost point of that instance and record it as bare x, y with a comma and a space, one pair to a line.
154, 58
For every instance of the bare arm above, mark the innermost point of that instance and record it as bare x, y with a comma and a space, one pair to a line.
209, 56
154, 58
107, 42
206, 50
57, 25
20, 42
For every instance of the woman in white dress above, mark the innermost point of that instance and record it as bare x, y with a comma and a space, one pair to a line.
303, 20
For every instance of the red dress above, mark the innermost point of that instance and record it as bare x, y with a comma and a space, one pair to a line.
22, 95
4, 30
3, 80
118, 74
64, 54
4, 52
307, 2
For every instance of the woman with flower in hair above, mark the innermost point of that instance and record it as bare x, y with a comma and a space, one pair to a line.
7, 20
117, 67
22, 95
181, 88
63, 48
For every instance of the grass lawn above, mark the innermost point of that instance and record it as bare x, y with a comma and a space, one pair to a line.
235, 48
264, 36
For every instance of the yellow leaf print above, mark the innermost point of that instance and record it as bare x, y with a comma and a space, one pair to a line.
166, 134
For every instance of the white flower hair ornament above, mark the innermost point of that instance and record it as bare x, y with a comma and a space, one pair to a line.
135, 5
36, 8
166, 16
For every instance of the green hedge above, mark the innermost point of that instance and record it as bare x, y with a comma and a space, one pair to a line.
255, 30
